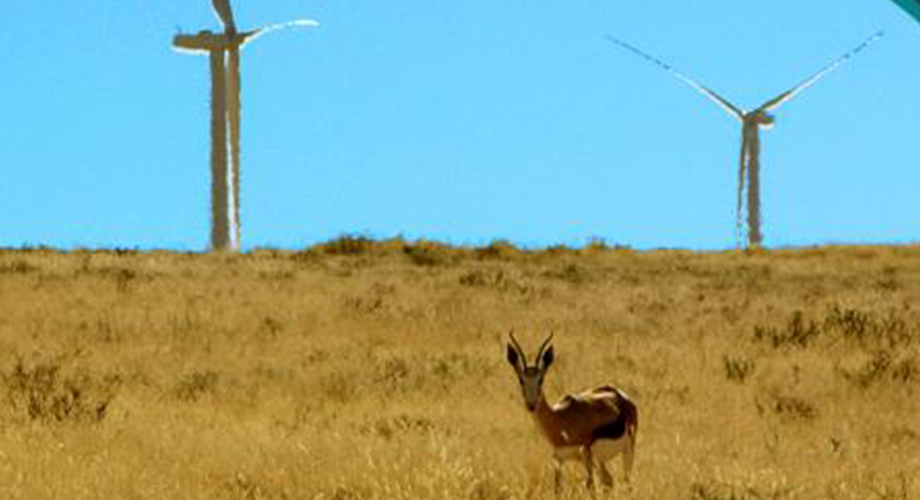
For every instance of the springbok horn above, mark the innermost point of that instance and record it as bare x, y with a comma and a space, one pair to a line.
542, 347
518, 347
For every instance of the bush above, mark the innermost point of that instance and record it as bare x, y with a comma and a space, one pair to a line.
796, 333
738, 369
349, 245
197, 384
42, 393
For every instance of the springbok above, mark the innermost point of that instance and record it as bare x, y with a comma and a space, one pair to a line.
593, 426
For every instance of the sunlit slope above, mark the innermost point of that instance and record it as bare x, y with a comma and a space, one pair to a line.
362, 369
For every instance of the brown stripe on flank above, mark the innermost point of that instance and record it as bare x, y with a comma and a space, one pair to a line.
626, 422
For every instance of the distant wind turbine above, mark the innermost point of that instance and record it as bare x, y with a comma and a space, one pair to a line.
752, 122
224, 50
912, 7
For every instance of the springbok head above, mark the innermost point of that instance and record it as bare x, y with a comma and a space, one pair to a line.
530, 377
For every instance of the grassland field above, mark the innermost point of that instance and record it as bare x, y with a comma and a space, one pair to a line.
361, 369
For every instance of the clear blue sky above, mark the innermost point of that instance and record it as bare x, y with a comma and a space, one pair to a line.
462, 121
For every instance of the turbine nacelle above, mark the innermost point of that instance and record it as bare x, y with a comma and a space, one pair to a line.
763, 119
208, 41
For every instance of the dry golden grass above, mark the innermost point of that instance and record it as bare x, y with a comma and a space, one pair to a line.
361, 370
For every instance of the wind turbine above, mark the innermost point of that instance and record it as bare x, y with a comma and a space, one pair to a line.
751, 123
912, 7
224, 50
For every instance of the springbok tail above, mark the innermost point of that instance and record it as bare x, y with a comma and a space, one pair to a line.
632, 428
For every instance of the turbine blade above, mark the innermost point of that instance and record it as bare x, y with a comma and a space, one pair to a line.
813, 79
517, 346
719, 100
234, 116
302, 23
224, 14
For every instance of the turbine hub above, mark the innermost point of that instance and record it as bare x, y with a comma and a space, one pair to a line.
208, 41
765, 120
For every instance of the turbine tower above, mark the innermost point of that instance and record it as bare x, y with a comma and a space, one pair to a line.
224, 51
751, 123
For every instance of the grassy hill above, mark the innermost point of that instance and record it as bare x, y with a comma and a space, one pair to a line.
360, 369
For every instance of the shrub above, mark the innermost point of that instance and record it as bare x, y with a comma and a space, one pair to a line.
196, 384
738, 369
796, 333
42, 393
426, 253
349, 245
17, 267
869, 329
497, 250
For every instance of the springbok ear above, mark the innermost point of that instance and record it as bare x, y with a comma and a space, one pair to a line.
513, 357
548, 357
